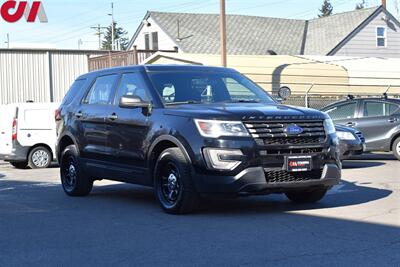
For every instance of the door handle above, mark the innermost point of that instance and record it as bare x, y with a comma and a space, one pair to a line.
113, 117
393, 120
351, 124
79, 114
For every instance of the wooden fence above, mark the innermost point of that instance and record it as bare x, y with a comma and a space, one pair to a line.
119, 59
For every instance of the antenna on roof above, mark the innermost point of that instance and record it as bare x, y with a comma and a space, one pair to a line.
179, 38
350, 97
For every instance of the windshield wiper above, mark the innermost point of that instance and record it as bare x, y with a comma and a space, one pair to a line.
183, 102
243, 101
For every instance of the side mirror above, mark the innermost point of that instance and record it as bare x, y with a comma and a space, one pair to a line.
284, 92
130, 101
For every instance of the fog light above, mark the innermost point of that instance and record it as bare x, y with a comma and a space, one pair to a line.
223, 159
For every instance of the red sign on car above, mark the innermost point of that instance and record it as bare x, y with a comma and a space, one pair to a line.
12, 11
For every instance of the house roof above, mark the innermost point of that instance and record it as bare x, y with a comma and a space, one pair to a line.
253, 35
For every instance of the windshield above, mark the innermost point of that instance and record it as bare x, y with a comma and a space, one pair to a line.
206, 87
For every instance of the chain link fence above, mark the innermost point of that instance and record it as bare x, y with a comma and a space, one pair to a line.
320, 100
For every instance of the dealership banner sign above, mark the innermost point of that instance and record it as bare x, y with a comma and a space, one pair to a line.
13, 11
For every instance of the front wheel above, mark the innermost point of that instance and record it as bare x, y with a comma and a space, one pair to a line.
396, 148
73, 179
306, 196
173, 183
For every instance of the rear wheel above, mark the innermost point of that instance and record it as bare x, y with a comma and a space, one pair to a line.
173, 183
73, 179
396, 148
306, 196
20, 165
39, 158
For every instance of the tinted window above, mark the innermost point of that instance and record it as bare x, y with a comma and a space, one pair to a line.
206, 87
73, 91
101, 91
131, 84
341, 112
378, 109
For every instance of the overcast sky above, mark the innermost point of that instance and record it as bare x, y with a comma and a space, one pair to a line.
70, 21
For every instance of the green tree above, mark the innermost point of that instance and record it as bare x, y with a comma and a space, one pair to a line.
326, 9
360, 5
120, 38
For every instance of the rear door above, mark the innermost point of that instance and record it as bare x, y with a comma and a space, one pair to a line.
91, 115
7, 115
378, 118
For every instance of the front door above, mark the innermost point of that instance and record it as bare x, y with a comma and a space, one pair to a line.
128, 128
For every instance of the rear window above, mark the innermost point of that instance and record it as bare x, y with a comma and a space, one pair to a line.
73, 91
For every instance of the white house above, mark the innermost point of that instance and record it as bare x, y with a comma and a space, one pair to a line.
365, 32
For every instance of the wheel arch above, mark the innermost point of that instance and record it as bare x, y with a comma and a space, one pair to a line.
63, 142
42, 145
159, 145
394, 138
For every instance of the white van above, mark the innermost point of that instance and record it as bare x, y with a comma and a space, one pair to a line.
28, 134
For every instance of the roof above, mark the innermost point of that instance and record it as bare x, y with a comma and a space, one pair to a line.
324, 34
253, 35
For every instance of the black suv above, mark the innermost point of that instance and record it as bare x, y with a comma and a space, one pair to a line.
377, 118
190, 131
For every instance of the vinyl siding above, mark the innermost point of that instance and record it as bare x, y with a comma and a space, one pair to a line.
363, 42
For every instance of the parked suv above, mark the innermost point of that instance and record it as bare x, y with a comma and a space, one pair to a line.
189, 131
377, 118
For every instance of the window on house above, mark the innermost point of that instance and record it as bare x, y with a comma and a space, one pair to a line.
154, 40
146, 41
381, 36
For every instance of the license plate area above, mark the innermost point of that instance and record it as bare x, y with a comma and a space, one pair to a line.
298, 163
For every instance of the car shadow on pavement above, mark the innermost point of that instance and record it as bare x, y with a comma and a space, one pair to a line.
360, 164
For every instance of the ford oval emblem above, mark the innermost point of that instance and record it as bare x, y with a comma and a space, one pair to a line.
293, 129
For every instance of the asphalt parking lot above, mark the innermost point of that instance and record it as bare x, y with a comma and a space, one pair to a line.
358, 223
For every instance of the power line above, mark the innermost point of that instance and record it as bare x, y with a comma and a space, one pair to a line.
99, 32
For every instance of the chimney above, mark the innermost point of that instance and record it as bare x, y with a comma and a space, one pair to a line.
384, 3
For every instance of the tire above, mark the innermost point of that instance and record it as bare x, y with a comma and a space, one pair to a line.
173, 183
396, 148
20, 165
73, 179
39, 158
306, 196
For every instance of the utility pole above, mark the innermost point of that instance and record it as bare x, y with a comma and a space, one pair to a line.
8, 40
99, 32
112, 26
223, 33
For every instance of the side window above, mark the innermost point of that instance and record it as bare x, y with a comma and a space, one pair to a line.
342, 112
132, 85
379, 109
101, 91
238, 91
73, 91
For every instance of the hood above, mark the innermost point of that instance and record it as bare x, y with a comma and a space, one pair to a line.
244, 111
343, 128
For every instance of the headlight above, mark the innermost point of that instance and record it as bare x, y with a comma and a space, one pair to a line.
215, 129
329, 126
223, 159
345, 135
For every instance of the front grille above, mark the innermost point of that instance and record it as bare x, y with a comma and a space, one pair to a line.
273, 133
360, 136
279, 176
293, 151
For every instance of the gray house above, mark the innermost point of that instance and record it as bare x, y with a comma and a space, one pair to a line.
366, 32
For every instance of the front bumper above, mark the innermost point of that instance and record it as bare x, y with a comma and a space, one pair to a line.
254, 181
350, 148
